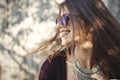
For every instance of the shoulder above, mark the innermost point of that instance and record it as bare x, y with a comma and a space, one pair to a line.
52, 67
56, 60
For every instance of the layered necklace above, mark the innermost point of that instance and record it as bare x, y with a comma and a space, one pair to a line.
85, 74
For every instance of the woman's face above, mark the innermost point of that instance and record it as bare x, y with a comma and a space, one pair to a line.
65, 28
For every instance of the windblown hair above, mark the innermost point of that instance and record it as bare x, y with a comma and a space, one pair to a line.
96, 19
105, 29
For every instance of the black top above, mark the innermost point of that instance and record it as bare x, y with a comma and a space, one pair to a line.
54, 69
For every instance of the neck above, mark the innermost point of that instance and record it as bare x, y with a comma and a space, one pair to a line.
84, 57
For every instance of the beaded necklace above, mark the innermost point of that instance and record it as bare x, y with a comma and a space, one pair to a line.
85, 74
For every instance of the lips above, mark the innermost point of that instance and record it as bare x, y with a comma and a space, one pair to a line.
64, 32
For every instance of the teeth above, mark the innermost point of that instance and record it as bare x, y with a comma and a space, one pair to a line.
62, 34
65, 31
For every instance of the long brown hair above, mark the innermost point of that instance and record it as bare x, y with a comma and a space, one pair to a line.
105, 30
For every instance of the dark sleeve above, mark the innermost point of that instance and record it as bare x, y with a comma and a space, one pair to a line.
46, 71
53, 70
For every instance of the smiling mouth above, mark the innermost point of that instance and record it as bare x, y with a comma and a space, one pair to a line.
64, 33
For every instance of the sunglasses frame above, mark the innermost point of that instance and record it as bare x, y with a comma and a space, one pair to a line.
64, 19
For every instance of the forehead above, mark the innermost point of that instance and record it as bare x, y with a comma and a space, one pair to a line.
64, 10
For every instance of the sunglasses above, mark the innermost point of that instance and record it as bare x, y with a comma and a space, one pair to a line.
65, 19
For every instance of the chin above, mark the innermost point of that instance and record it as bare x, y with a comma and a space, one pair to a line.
66, 42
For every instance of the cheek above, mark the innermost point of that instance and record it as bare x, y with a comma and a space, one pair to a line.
77, 39
87, 45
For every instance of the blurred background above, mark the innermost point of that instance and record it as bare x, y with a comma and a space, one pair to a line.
24, 24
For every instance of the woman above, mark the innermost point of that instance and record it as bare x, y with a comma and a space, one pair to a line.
86, 46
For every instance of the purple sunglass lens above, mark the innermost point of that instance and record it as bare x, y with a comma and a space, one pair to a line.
64, 20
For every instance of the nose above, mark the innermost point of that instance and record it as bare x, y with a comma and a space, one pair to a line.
59, 24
